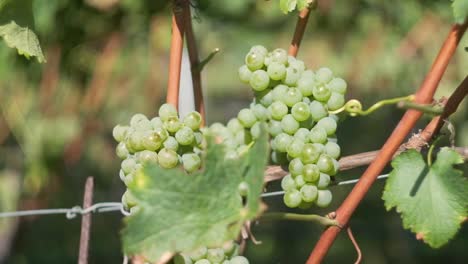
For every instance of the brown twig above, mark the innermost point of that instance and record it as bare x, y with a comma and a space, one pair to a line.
194, 62
86, 222
423, 95
177, 44
299, 31
355, 244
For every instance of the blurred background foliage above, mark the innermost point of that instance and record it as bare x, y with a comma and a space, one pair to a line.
108, 59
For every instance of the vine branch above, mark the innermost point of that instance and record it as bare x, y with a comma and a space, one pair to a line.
325, 221
300, 29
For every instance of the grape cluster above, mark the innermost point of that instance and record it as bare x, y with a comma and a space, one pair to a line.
165, 140
294, 101
224, 255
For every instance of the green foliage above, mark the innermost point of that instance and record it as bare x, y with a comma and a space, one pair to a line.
289, 5
460, 10
432, 200
177, 212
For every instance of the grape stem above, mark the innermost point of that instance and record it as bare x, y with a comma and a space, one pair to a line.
323, 220
199, 67
431, 149
354, 107
425, 108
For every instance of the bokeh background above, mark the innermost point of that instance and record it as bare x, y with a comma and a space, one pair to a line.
108, 59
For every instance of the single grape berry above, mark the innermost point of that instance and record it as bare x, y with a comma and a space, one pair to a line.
172, 124
166, 111
324, 198
254, 60
120, 132
311, 173
185, 136
259, 80
324, 181
324, 75
289, 124
292, 198
309, 192
300, 111
193, 120
317, 110
246, 117
244, 73
288, 183
137, 118
282, 142
329, 124
278, 110
310, 154
279, 56
191, 162
292, 96
276, 71
168, 158
338, 85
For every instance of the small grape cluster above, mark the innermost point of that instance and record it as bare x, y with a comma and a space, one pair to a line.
165, 140
223, 255
295, 101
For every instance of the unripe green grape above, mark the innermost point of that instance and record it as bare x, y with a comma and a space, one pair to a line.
318, 135
128, 200
329, 124
336, 167
323, 75
234, 125
276, 71
256, 130
310, 154
324, 181
302, 134
299, 180
274, 128
156, 122
288, 183
279, 56
289, 124
147, 156
254, 60
309, 192
203, 261
335, 101
215, 255
182, 259
246, 117
279, 92
137, 118
296, 64
128, 165
325, 163
259, 49
333, 150
172, 124
260, 112
324, 198
320, 147
121, 150
282, 142
264, 97
244, 74
294, 149
167, 111
198, 138
259, 80
129, 179
321, 93
151, 140
191, 162
171, 143
198, 254
278, 110
292, 96
300, 111
135, 141
311, 173
307, 124
292, 76
122, 175
338, 85
119, 133
306, 84
292, 198
295, 167
239, 260
306, 100
161, 132
243, 188
185, 136
168, 158
193, 120
143, 125
317, 110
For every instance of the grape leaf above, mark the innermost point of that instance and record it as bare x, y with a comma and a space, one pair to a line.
460, 10
432, 200
302, 4
287, 5
179, 212
23, 39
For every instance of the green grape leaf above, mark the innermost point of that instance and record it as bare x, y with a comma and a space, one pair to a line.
23, 39
287, 5
432, 200
302, 4
460, 10
177, 212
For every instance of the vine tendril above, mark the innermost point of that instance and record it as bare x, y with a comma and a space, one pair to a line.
354, 108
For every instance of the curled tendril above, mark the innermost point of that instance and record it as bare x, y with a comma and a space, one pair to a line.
354, 108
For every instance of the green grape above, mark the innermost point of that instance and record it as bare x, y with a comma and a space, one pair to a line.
279, 92
264, 97
172, 124
279, 158
305, 205
306, 84
243, 188
121, 150
260, 112
129, 179
185, 136
324, 198
246, 117
295, 167
137, 118
128, 165
259, 80
259, 49
288, 183
337, 85
332, 149
323, 75
135, 141
198, 138
320, 147
198, 254
292, 198
274, 128
300, 111
143, 125
321, 93
161, 132
317, 110
306, 100
171, 143
203, 261
279, 56
167, 111
311, 173
182, 259
278, 110
168, 158
310, 154
335, 101
120, 132
302, 134
292, 97
254, 60
318, 135
309, 192
292, 76
276, 71
294, 149
325, 163
151, 140
256, 130
296, 64
234, 125
307, 124
193, 120
289, 124
324, 181
128, 199
336, 167
122, 175
215, 255
239, 260
299, 180
244, 73
147, 156
329, 124
156, 122
191, 162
